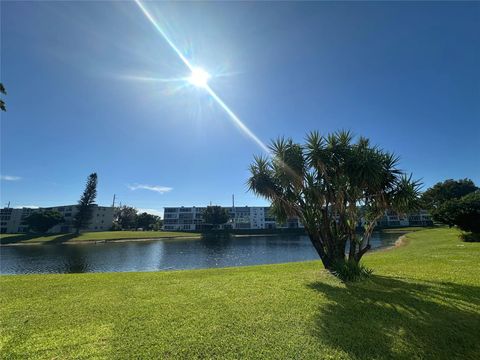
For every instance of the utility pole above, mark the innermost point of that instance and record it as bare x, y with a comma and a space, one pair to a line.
113, 203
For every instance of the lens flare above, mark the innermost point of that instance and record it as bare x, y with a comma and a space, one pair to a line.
200, 77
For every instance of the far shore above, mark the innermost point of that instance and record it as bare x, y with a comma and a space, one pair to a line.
84, 242
92, 237
130, 236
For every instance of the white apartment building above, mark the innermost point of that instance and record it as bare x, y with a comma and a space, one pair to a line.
243, 217
11, 220
419, 218
258, 217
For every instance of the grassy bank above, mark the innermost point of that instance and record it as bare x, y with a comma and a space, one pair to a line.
91, 236
422, 303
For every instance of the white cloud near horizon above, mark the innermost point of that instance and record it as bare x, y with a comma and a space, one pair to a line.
151, 212
156, 188
26, 206
10, 178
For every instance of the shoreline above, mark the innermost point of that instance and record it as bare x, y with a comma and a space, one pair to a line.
104, 241
399, 242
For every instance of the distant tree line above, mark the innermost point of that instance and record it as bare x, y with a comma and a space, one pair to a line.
128, 218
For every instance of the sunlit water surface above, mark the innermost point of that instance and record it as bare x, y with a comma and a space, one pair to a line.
158, 255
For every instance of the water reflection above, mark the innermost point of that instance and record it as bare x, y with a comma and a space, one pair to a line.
163, 254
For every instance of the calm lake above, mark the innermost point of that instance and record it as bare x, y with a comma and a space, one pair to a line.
158, 255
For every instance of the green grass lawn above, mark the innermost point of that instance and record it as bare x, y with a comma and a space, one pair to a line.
91, 236
422, 303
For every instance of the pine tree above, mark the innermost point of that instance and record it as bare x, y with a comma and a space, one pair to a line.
85, 205
2, 103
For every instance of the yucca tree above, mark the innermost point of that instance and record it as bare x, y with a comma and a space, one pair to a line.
330, 183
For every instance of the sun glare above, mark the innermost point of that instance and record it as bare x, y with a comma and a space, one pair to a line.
199, 78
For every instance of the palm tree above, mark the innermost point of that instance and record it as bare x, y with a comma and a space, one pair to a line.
330, 184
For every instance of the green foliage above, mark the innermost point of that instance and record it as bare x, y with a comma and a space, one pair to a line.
463, 212
447, 190
2, 103
422, 303
215, 216
125, 217
158, 225
329, 183
470, 237
42, 221
147, 221
115, 226
86, 203
350, 271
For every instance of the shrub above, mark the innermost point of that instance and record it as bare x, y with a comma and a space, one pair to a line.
350, 271
115, 227
445, 191
470, 237
463, 212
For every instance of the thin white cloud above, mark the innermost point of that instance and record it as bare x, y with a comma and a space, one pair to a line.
151, 211
156, 188
10, 178
26, 206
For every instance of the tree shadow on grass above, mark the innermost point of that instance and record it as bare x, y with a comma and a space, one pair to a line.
20, 238
15, 239
62, 238
388, 318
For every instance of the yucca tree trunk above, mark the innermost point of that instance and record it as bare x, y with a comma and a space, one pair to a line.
328, 255
358, 256
318, 245
351, 252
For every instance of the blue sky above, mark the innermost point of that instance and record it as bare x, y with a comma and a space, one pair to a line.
404, 74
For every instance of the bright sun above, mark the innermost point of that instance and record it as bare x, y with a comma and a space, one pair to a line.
199, 77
